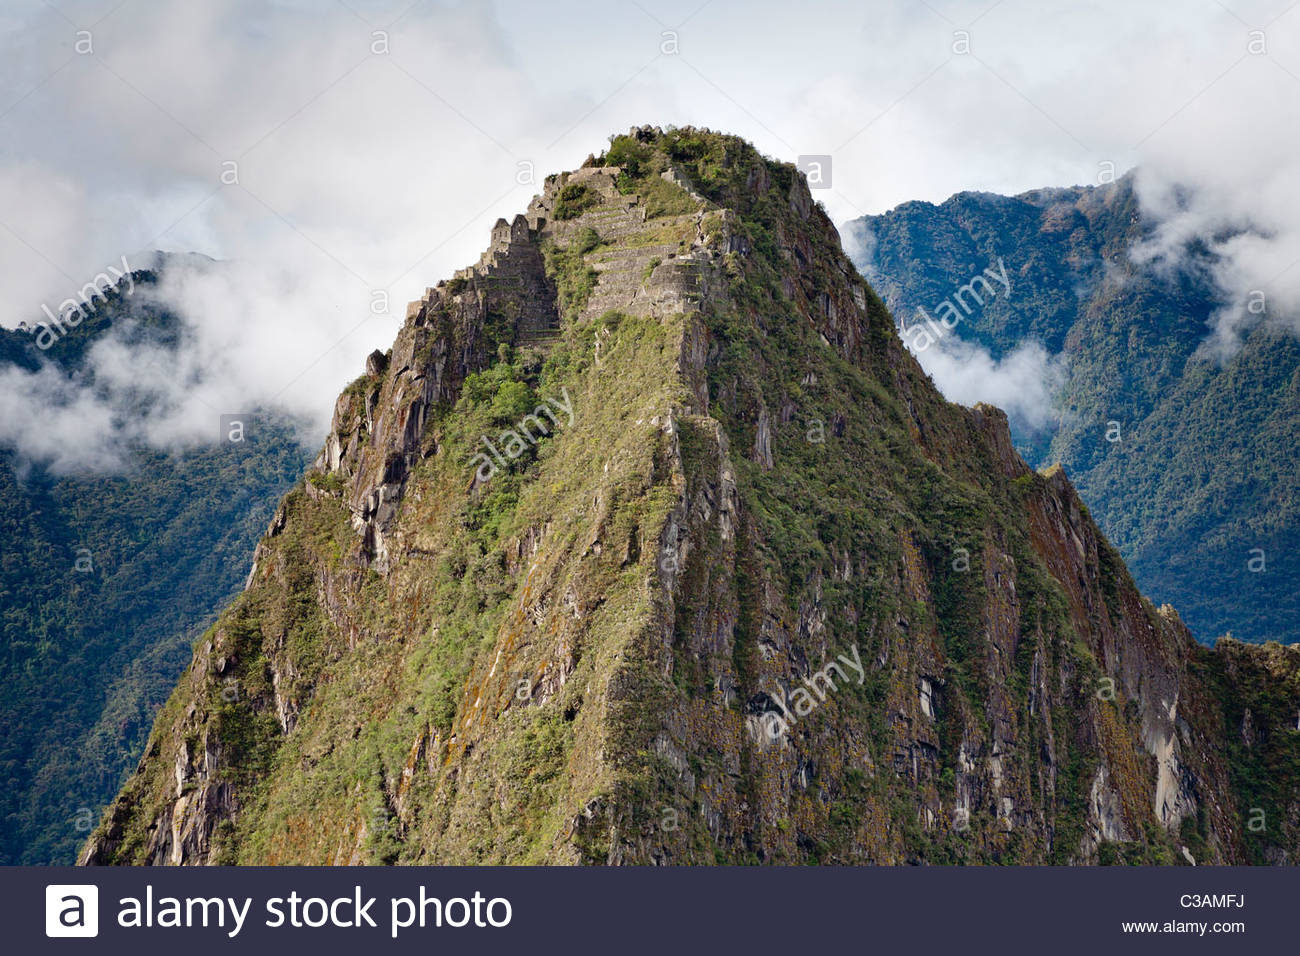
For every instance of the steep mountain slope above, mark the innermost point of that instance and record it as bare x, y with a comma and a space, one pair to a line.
105, 582
648, 542
1185, 460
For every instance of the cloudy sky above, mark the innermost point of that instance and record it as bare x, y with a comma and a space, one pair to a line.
374, 143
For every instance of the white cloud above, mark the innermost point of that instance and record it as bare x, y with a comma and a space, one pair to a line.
1021, 383
363, 172
57, 422
859, 242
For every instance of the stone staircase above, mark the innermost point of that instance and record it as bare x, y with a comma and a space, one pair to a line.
652, 268
540, 341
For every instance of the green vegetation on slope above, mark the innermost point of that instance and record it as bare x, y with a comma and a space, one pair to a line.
104, 582
1184, 460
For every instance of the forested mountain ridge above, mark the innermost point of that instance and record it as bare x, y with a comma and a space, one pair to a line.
105, 580
1184, 457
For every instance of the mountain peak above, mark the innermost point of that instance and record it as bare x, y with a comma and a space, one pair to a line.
655, 228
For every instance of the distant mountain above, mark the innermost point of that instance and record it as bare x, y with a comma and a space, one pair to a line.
649, 542
1187, 464
105, 581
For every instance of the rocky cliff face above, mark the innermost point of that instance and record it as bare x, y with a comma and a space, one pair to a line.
649, 543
